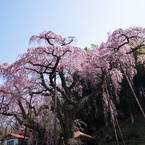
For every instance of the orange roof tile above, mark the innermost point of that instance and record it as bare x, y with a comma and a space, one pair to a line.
79, 134
18, 135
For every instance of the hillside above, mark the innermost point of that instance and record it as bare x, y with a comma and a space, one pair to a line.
134, 134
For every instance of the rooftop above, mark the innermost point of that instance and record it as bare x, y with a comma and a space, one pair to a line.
17, 135
79, 134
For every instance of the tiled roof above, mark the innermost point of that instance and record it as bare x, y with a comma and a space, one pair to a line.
79, 134
17, 135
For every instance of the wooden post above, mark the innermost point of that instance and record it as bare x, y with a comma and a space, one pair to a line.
119, 130
55, 111
130, 85
109, 106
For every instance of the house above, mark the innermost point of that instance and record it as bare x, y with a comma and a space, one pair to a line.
13, 139
87, 139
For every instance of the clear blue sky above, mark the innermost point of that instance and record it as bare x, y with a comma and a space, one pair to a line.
87, 20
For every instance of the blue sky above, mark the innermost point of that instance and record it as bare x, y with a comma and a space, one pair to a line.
87, 20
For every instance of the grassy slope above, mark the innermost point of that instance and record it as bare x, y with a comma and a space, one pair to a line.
134, 134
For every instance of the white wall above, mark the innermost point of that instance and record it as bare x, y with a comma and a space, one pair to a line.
15, 141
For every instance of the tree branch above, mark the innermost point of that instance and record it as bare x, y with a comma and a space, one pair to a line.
90, 97
22, 109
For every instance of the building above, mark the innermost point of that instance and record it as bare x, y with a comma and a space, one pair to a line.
13, 139
87, 139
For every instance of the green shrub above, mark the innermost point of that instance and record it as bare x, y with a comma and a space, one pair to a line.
129, 134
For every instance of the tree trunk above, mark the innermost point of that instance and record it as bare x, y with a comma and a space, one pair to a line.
68, 126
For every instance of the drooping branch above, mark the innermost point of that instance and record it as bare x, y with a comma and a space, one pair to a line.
1, 102
44, 84
22, 109
124, 42
90, 97
136, 48
34, 70
70, 40
75, 79
48, 40
51, 76
64, 83
30, 105
13, 114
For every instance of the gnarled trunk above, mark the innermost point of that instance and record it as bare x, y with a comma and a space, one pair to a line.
68, 126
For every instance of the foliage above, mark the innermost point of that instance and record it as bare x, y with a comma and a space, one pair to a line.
30, 79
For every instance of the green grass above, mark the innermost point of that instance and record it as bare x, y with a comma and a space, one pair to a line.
134, 134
